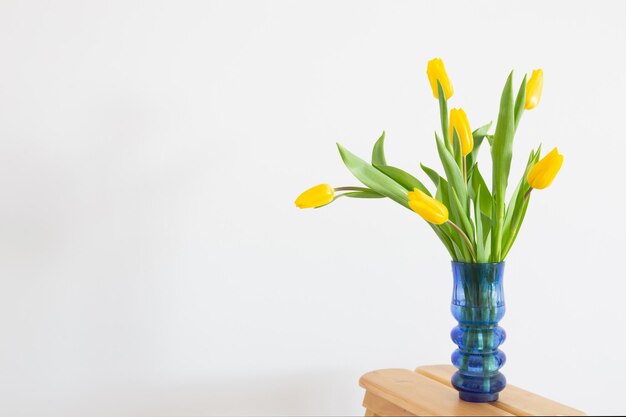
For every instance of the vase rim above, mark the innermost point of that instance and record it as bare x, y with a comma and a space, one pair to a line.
477, 263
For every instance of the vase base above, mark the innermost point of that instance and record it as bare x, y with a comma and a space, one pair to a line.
475, 397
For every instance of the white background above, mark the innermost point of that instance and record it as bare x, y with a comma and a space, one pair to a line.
152, 262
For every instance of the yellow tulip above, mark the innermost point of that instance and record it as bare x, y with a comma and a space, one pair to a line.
430, 209
534, 86
317, 196
543, 172
437, 72
458, 121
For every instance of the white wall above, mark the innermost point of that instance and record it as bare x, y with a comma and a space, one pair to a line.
152, 261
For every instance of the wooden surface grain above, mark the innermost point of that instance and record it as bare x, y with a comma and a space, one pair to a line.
427, 392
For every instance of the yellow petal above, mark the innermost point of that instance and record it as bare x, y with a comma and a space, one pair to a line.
431, 210
534, 87
316, 196
543, 172
437, 72
415, 194
460, 123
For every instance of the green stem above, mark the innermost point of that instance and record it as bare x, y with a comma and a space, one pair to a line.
443, 113
464, 236
527, 195
352, 189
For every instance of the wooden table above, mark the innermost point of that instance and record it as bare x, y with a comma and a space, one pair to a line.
427, 392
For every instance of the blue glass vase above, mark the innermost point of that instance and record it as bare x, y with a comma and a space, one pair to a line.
478, 306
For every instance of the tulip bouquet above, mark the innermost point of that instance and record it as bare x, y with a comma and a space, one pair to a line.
474, 222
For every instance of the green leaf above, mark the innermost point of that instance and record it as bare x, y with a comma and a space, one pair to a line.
460, 214
458, 240
477, 182
480, 243
521, 188
459, 252
458, 244
460, 255
456, 149
442, 192
373, 178
488, 245
403, 178
453, 173
445, 239
432, 174
517, 223
502, 148
443, 114
478, 135
480, 195
518, 205
362, 194
378, 153
481, 132
520, 100
501, 154
486, 220
453, 236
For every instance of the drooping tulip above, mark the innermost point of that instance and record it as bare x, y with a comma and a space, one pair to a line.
543, 172
458, 121
432, 210
534, 87
437, 72
317, 196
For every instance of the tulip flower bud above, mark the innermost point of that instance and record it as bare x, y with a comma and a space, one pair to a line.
534, 88
458, 121
437, 72
543, 172
317, 196
430, 209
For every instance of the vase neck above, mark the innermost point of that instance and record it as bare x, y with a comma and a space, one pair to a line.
478, 285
